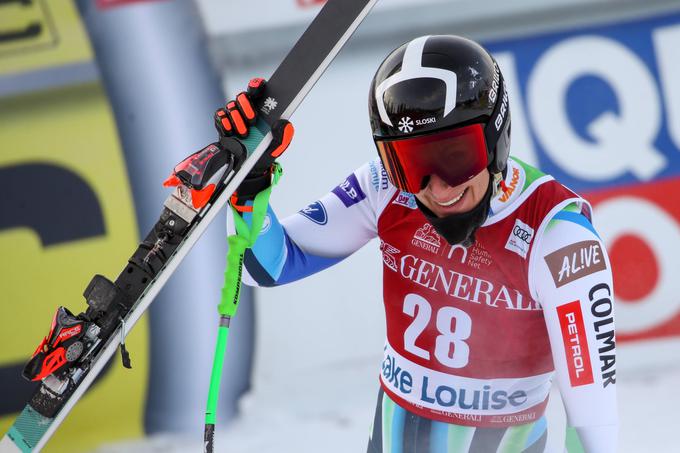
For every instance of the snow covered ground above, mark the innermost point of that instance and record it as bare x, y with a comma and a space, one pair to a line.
334, 415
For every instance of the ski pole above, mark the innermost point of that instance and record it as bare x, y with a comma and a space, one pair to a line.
244, 238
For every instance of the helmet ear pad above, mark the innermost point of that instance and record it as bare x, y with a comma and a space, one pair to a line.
498, 158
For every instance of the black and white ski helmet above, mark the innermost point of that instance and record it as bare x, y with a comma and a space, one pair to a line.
438, 83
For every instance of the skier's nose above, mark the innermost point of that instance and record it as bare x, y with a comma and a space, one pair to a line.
437, 186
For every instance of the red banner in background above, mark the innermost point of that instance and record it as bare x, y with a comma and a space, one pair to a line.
106, 4
597, 108
308, 3
642, 231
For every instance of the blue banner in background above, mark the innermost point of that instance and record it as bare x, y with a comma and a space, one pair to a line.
602, 103
598, 107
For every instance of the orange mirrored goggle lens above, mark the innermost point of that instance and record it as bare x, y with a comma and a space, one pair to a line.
456, 156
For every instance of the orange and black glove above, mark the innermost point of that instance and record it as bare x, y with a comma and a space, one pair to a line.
234, 121
238, 115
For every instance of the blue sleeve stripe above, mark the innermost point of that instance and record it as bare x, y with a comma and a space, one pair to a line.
265, 261
577, 218
256, 271
270, 245
300, 264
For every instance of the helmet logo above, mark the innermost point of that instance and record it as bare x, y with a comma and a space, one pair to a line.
411, 68
503, 110
405, 125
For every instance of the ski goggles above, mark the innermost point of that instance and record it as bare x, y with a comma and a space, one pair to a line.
456, 156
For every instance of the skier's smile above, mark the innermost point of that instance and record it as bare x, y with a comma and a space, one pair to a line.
443, 200
453, 200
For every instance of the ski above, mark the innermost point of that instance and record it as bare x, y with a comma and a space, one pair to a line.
78, 346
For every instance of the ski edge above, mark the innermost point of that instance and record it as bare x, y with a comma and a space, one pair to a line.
145, 301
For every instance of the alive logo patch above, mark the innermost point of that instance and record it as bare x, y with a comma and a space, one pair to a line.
575, 261
575, 344
316, 212
349, 191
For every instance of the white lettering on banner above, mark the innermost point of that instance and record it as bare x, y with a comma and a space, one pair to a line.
624, 142
666, 44
661, 233
464, 287
455, 394
522, 145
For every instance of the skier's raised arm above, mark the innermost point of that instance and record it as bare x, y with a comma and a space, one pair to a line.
321, 234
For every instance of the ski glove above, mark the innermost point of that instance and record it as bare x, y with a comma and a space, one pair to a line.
239, 114
234, 121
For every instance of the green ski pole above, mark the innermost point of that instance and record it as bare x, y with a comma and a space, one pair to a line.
244, 238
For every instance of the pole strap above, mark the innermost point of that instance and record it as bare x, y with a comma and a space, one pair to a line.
245, 238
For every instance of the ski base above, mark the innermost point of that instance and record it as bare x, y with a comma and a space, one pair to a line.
26, 432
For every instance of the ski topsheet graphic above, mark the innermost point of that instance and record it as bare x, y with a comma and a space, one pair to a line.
77, 347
